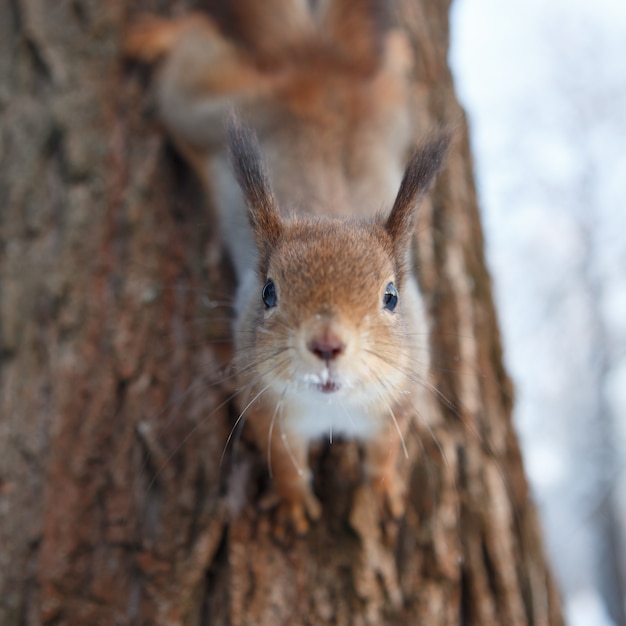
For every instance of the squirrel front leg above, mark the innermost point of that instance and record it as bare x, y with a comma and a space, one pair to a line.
381, 459
287, 461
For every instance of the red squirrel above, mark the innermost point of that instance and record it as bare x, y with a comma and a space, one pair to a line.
330, 331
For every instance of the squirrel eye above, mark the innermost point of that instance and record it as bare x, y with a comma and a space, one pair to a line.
269, 294
390, 299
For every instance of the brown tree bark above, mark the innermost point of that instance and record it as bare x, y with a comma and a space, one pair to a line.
115, 504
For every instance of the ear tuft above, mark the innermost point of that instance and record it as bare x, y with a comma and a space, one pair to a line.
418, 178
251, 174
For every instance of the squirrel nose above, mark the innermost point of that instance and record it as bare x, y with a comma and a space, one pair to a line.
326, 347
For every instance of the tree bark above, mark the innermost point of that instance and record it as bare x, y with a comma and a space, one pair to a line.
116, 506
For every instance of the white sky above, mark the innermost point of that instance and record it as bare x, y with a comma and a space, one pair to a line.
513, 62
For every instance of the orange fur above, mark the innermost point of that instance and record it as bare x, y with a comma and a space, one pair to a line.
324, 87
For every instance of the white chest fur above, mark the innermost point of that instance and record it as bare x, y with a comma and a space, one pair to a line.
313, 415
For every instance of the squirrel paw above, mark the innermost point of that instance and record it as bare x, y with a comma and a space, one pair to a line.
293, 514
151, 37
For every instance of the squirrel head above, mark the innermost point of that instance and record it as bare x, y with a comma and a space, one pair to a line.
331, 301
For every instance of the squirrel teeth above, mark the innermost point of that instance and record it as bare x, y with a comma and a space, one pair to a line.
329, 386
323, 381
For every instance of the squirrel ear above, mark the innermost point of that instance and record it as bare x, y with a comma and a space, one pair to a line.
418, 178
251, 174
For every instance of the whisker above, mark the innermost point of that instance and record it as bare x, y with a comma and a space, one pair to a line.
209, 318
238, 420
157, 283
436, 442
179, 401
271, 432
410, 375
285, 440
462, 414
348, 415
383, 384
273, 367
445, 460
161, 468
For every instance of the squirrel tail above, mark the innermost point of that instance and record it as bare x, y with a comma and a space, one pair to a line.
277, 32
235, 52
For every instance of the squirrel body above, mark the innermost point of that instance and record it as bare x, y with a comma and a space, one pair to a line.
330, 331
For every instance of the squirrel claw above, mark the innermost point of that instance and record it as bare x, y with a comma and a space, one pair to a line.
293, 514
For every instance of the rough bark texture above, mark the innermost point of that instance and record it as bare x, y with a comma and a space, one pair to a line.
115, 506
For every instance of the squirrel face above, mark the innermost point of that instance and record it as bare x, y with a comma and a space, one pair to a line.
329, 315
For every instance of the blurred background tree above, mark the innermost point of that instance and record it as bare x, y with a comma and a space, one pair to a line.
115, 507
546, 96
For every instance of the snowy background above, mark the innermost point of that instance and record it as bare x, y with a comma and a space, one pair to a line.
544, 86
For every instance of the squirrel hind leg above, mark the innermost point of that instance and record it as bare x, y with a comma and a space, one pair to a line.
151, 37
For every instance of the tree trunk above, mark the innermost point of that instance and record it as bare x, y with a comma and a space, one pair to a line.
116, 506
